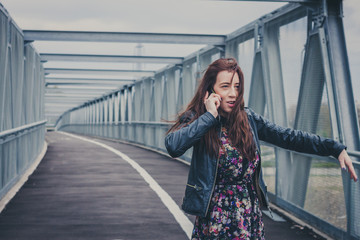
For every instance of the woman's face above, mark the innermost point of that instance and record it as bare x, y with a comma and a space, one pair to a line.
228, 89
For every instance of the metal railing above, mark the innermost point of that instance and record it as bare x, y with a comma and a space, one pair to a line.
149, 134
308, 186
325, 202
22, 124
19, 148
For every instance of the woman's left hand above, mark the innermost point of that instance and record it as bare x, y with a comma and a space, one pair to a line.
345, 161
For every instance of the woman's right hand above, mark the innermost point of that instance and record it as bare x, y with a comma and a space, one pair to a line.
346, 164
212, 103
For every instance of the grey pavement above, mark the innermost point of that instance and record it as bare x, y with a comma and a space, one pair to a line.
83, 191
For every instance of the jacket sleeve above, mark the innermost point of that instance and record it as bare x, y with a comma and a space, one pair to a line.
182, 139
296, 140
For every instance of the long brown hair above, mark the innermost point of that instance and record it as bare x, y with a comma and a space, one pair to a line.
238, 126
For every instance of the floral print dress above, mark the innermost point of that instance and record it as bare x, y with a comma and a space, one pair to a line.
234, 211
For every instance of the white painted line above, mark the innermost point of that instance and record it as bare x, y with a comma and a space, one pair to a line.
178, 214
9, 195
273, 216
144, 147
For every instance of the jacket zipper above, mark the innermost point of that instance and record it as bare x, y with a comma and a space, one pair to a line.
194, 186
258, 180
258, 147
267, 202
217, 165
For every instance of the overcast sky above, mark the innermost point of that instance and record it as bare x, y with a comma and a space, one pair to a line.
185, 16
163, 16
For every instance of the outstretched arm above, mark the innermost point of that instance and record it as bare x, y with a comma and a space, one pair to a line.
345, 161
301, 141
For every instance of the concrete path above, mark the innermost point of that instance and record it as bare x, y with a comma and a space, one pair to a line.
82, 190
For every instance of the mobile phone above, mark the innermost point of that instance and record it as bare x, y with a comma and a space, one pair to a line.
211, 91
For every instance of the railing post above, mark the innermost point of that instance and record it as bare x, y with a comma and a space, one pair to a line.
345, 104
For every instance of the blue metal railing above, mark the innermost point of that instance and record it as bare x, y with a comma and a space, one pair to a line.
151, 134
326, 179
19, 148
22, 128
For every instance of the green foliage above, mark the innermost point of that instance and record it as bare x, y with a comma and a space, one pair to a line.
324, 165
267, 164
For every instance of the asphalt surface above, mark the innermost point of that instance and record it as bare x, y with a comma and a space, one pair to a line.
84, 191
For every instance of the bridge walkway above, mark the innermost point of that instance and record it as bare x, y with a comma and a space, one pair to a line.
82, 190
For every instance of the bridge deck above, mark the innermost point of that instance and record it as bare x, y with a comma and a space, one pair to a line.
83, 191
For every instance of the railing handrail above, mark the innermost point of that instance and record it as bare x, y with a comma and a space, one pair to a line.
325, 158
21, 129
126, 122
354, 153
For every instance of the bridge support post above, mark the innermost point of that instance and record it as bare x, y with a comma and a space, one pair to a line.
344, 109
257, 96
275, 99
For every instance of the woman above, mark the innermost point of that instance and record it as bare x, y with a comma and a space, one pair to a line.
225, 188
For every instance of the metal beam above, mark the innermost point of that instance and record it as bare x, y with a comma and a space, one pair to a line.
64, 100
345, 107
59, 108
55, 79
90, 88
78, 96
53, 114
307, 115
88, 82
83, 81
282, 16
78, 91
59, 104
58, 112
109, 58
257, 97
290, 1
61, 99
53, 97
56, 103
78, 102
64, 104
74, 83
275, 100
86, 95
73, 97
84, 36
96, 71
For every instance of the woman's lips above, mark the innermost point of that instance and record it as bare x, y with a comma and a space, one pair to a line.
231, 104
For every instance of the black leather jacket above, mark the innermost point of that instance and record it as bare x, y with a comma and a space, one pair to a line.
203, 168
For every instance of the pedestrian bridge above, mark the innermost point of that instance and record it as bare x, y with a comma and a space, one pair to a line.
92, 148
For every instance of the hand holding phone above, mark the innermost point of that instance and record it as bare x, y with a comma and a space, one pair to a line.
212, 102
